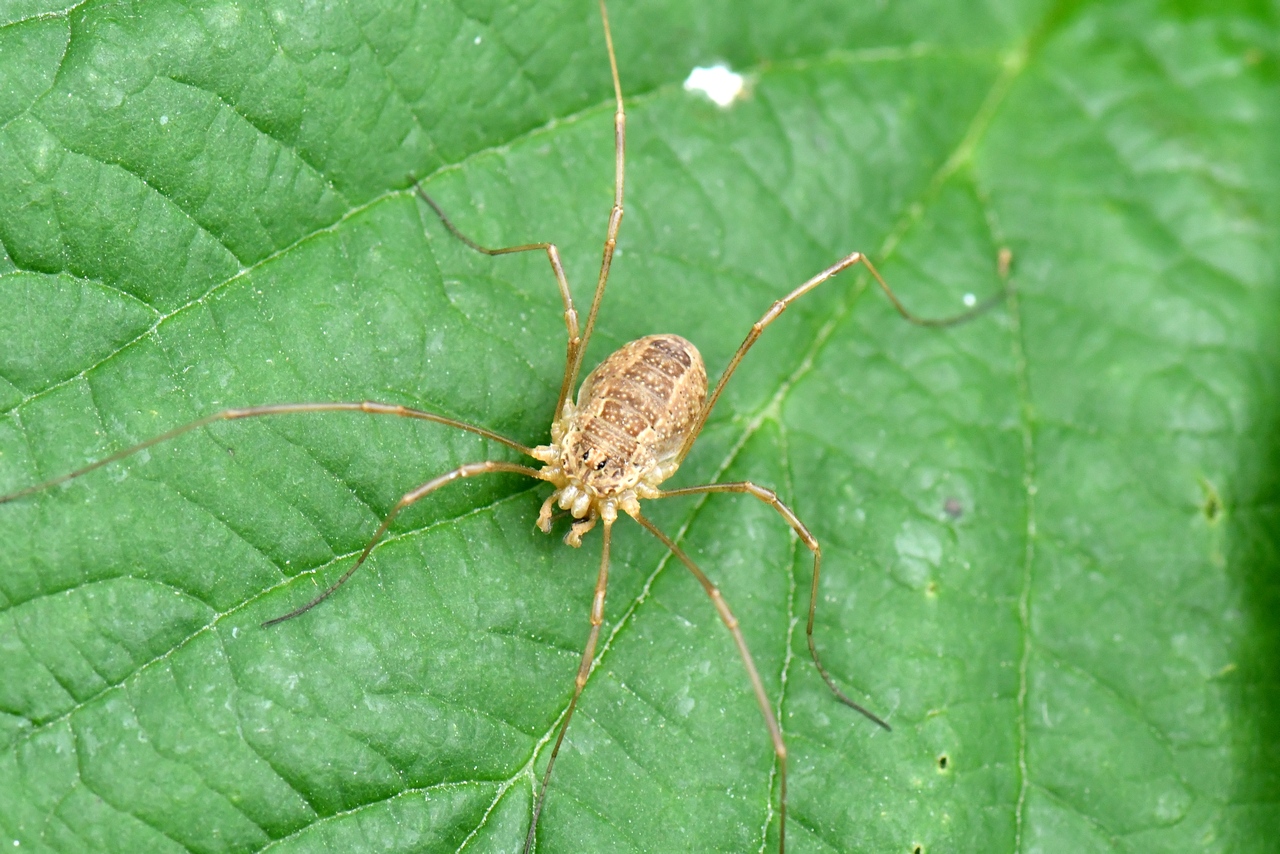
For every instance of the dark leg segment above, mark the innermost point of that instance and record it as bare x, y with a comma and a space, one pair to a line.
781, 305
768, 496
757, 686
580, 682
468, 470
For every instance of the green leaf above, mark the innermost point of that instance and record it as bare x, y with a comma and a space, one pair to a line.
1049, 535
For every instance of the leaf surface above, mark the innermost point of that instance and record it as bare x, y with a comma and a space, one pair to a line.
1049, 534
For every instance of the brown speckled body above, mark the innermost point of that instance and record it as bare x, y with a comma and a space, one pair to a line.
623, 436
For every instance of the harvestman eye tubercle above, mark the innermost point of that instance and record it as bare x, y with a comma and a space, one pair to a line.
632, 423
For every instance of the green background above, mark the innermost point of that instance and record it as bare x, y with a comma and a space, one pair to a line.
1051, 533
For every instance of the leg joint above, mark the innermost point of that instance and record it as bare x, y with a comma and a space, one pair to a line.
723, 608
774, 310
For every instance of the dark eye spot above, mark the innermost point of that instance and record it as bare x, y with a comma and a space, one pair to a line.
585, 455
601, 464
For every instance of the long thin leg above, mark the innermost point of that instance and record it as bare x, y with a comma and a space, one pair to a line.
468, 470
270, 409
615, 216
577, 343
553, 255
768, 496
584, 670
722, 608
781, 305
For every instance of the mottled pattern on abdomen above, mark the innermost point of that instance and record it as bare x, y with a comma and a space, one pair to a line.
640, 403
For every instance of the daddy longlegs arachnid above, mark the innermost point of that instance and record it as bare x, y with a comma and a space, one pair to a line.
633, 421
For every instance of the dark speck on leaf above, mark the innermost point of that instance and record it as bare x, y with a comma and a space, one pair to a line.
953, 508
1212, 506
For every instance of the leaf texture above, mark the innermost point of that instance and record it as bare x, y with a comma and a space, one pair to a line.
1049, 534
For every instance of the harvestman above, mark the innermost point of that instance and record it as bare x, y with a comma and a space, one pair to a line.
634, 421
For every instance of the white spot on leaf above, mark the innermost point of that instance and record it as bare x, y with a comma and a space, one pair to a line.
717, 82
